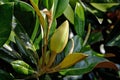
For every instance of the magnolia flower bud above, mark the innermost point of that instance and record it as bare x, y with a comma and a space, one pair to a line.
59, 38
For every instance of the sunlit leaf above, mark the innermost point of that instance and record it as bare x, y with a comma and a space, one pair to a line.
79, 20
69, 14
71, 59
104, 1
103, 6
58, 7
61, 6
84, 66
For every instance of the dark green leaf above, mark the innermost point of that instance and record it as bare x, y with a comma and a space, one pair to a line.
6, 57
5, 76
25, 14
77, 45
25, 45
114, 42
78, 42
48, 3
11, 52
61, 6
73, 3
26, 51
79, 20
113, 38
95, 37
94, 11
6, 13
36, 29
23, 41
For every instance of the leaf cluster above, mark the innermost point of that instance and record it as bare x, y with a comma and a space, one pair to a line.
41, 37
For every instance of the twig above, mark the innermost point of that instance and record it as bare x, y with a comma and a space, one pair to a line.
52, 58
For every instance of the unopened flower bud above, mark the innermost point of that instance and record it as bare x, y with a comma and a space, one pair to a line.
59, 38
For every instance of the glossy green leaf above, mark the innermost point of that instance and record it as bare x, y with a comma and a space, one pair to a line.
95, 37
10, 52
5, 76
22, 39
73, 3
26, 51
36, 29
78, 42
103, 6
6, 56
61, 6
71, 59
24, 44
86, 65
6, 13
37, 41
24, 13
79, 19
48, 3
69, 14
22, 34
77, 45
53, 27
22, 67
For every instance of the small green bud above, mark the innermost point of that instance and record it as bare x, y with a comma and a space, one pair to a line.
22, 67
